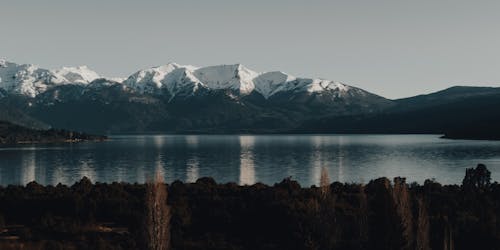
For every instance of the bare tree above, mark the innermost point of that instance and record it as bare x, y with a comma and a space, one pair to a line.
402, 201
157, 214
422, 241
324, 182
363, 218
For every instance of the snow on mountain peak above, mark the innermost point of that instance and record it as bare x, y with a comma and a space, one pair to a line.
26, 79
271, 82
320, 85
117, 79
80, 74
150, 80
236, 77
30, 80
181, 79
174, 78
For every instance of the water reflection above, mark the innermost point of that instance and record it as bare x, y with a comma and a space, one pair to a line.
193, 162
247, 165
140, 175
86, 170
249, 159
159, 141
193, 170
340, 159
59, 176
192, 140
28, 167
317, 159
159, 168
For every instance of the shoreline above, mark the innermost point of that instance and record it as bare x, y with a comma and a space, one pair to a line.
16, 134
471, 138
58, 141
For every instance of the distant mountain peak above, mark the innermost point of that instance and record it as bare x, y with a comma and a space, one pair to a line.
174, 78
151, 80
236, 77
320, 85
269, 83
31, 80
80, 74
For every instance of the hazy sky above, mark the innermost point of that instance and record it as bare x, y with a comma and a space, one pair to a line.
392, 48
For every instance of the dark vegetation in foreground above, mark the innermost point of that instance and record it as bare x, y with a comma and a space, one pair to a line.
11, 134
206, 215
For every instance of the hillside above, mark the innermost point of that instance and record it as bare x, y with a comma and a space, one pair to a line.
457, 111
11, 134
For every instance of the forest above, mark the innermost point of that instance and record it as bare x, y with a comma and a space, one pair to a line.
13, 134
381, 214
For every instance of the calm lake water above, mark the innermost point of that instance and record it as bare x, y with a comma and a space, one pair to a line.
247, 159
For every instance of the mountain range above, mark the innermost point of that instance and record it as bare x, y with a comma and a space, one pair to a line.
177, 98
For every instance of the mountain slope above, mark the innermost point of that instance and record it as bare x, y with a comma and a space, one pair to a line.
458, 110
444, 96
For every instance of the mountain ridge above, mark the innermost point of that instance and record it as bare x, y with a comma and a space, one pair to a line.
31, 80
176, 98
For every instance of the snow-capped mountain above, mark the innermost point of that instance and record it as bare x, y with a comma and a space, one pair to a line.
271, 82
68, 75
236, 78
30, 80
177, 98
233, 77
172, 78
174, 97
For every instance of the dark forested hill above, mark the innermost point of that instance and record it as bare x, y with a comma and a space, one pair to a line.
110, 107
11, 133
458, 112
445, 96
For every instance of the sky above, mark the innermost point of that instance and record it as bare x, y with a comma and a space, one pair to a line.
392, 48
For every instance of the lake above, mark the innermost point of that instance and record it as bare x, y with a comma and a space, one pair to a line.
247, 159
